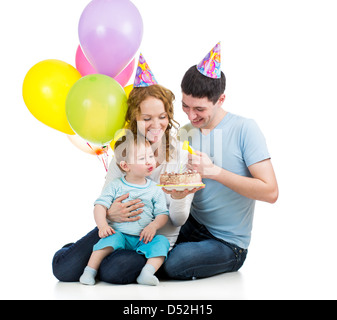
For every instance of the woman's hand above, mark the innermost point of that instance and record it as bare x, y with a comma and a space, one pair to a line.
181, 194
121, 211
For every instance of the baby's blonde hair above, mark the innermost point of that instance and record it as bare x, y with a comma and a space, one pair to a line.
125, 146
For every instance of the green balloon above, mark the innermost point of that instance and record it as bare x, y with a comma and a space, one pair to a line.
95, 107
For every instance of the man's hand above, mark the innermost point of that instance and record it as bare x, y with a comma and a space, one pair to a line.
202, 164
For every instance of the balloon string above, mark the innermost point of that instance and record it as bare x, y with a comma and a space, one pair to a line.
90, 146
104, 157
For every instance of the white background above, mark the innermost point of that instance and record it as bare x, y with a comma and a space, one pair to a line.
280, 61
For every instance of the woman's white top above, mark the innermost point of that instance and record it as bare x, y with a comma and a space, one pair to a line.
179, 209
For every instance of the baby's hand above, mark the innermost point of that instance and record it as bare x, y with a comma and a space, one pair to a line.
105, 231
148, 233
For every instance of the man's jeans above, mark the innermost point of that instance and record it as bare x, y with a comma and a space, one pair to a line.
197, 255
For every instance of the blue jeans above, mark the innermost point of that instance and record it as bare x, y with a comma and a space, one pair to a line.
120, 267
198, 254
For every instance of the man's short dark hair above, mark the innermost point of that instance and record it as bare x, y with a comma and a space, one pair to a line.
199, 86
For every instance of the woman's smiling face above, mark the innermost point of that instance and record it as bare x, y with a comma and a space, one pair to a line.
153, 119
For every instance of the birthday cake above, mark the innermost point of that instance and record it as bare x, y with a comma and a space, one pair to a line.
187, 178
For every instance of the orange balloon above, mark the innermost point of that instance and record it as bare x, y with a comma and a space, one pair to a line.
81, 144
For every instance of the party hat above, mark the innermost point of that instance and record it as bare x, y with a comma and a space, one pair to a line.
144, 76
210, 65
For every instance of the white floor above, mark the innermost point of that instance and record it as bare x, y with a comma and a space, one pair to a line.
240, 285
276, 279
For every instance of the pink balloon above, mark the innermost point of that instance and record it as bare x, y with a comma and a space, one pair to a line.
110, 33
125, 75
83, 66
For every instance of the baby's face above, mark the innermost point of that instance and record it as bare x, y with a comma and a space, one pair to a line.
143, 162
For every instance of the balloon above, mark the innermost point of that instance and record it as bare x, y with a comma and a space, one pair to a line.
96, 107
45, 90
81, 144
120, 133
82, 64
85, 68
125, 75
110, 33
128, 89
100, 151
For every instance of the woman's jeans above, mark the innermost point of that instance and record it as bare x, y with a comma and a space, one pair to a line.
120, 267
197, 255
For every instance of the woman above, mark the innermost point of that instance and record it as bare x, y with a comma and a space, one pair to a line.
150, 113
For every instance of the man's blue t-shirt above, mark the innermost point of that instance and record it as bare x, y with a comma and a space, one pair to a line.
235, 144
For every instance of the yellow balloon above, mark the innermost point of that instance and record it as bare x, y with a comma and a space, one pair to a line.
128, 89
120, 133
45, 89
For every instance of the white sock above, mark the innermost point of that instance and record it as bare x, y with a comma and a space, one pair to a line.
147, 276
88, 276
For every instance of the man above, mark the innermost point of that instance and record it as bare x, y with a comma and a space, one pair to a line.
236, 168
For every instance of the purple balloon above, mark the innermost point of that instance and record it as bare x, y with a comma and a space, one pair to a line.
110, 33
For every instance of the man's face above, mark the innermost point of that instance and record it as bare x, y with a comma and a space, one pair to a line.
200, 111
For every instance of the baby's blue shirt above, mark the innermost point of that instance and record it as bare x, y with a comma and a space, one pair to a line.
151, 195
